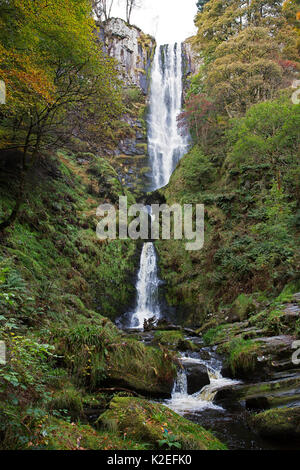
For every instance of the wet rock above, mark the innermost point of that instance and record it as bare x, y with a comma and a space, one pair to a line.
197, 377
283, 390
257, 403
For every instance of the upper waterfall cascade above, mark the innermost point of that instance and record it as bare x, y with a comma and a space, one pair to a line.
166, 145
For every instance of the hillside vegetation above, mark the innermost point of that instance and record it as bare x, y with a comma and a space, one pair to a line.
243, 165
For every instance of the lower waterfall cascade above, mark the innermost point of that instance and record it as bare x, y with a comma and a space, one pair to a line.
182, 402
147, 304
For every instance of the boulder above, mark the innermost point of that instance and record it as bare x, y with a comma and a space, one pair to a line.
283, 390
282, 423
197, 376
150, 423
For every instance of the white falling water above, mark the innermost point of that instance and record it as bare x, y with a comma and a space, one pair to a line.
147, 288
166, 145
182, 402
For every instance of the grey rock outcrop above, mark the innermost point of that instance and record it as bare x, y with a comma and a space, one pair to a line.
133, 49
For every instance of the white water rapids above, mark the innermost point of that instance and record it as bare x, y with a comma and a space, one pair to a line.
182, 402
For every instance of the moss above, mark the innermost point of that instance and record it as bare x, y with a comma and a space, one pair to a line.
69, 399
62, 435
243, 306
142, 148
146, 422
242, 355
54, 248
168, 338
283, 423
214, 335
97, 353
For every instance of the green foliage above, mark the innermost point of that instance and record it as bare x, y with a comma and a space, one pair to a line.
168, 338
269, 133
169, 441
244, 71
23, 387
251, 204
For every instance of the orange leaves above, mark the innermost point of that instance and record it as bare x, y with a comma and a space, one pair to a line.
24, 79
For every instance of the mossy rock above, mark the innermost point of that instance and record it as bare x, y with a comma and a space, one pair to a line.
146, 423
281, 423
98, 355
62, 435
147, 370
168, 338
187, 345
242, 307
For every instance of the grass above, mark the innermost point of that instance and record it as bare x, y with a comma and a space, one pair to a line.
168, 338
242, 355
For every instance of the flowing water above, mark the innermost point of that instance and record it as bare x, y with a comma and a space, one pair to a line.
182, 402
166, 146
147, 288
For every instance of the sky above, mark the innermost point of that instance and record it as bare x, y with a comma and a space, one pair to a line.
168, 20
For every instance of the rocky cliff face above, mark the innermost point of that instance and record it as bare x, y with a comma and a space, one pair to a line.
133, 49
191, 62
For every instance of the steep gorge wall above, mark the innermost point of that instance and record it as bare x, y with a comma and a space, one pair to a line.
133, 49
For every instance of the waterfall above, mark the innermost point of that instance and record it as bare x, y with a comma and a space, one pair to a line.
147, 288
166, 146
180, 385
182, 402
165, 143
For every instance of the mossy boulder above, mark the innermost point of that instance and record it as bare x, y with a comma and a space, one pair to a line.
280, 423
148, 422
242, 307
147, 370
99, 355
168, 338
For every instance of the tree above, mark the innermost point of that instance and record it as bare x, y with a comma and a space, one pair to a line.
268, 134
52, 68
201, 4
198, 117
221, 20
246, 71
130, 6
102, 9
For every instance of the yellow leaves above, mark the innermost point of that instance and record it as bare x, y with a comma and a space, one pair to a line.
23, 77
